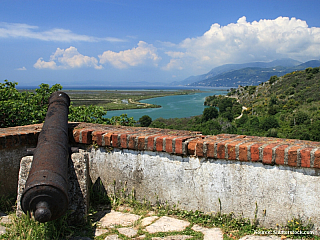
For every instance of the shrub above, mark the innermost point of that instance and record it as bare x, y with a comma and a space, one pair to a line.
209, 113
145, 121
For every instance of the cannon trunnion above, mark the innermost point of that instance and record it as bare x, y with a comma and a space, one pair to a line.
46, 190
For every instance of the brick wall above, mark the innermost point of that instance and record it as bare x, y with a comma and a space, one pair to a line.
190, 169
290, 152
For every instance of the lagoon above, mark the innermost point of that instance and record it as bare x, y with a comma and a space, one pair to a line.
179, 106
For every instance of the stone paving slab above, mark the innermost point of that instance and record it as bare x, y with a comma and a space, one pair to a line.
2, 230
112, 237
6, 219
129, 232
118, 218
175, 237
270, 237
209, 233
167, 224
148, 220
100, 231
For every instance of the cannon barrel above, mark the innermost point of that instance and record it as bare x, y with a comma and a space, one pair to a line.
46, 190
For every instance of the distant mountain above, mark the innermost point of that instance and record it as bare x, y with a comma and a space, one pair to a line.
285, 62
254, 75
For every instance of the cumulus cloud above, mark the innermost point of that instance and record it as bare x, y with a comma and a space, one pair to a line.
21, 69
66, 59
21, 30
247, 41
131, 57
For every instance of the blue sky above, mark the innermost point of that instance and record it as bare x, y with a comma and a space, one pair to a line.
120, 42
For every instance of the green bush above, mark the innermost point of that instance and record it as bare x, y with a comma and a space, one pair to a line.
23, 108
209, 113
145, 121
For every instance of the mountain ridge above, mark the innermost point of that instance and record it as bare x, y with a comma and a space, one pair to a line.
251, 76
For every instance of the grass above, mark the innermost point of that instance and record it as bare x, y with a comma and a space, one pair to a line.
233, 227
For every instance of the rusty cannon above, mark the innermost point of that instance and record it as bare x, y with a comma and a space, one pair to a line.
46, 191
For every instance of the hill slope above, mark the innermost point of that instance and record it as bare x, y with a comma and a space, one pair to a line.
285, 62
290, 104
251, 75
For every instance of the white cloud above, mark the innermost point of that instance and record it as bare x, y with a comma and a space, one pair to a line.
131, 57
245, 42
21, 69
66, 59
21, 30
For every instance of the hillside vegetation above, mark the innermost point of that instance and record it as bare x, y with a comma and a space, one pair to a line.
250, 75
290, 104
285, 107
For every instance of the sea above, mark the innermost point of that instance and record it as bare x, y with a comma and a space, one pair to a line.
178, 106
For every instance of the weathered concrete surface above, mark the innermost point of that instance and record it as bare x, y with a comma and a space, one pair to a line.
9, 168
78, 186
245, 188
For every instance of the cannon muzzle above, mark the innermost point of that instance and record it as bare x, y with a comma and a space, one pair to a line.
46, 190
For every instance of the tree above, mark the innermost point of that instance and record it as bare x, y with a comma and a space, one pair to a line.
145, 121
209, 113
23, 108
268, 123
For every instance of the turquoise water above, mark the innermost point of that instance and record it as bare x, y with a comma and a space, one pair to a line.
179, 106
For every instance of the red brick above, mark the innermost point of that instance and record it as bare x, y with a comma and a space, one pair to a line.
243, 151
169, 144
2, 142
97, 137
141, 143
23, 139
232, 150
210, 149
305, 155
12, 141
316, 163
32, 138
107, 139
86, 136
199, 148
255, 153
267, 153
114, 139
179, 144
123, 141
192, 147
280, 154
293, 156
159, 143
221, 150
132, 141
76, 135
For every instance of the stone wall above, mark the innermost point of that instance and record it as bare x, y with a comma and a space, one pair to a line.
270, 178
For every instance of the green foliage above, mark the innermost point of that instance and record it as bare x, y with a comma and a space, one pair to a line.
22, 108
145, 121
89, 114
209, 113
269, 122
29, 107
252, 90
273, 79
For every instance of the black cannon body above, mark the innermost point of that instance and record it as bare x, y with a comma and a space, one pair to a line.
46, 190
